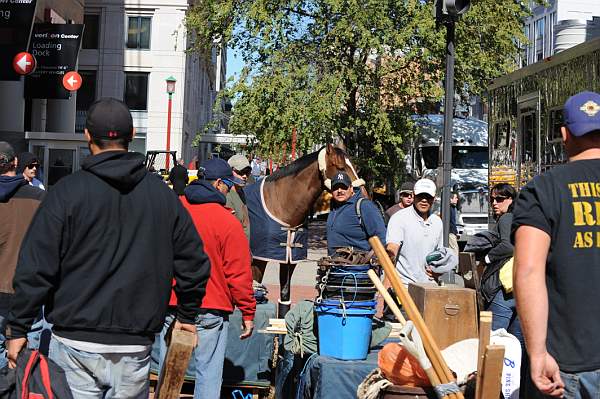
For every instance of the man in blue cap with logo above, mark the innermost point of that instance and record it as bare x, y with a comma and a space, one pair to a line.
353, 219
556, 231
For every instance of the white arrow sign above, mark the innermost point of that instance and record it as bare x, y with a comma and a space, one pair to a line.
23, 63
72, 81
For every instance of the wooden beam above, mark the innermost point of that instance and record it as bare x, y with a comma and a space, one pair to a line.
175, 364
491, 378
485, 327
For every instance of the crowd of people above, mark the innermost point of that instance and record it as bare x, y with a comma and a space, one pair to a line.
111, 257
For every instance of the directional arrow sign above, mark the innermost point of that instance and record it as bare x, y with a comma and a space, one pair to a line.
72, 81
24, 63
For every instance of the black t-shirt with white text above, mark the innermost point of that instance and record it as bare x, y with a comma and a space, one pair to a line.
565, 203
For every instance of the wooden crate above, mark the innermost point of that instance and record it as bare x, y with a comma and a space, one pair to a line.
450, 312
400, 392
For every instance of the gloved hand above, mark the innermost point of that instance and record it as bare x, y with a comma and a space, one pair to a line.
448, 260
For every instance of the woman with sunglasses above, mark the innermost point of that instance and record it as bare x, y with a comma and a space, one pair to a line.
500, 303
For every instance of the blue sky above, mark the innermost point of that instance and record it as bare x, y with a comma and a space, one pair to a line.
234, 63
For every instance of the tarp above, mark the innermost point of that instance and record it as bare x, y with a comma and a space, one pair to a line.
271, 239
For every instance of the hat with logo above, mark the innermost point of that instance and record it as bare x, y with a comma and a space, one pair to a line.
425, 186
582, 113
239, 162
341, 178
7, 153
109, 118
216, 168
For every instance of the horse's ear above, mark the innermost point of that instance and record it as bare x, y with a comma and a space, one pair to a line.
340, 144
329, 149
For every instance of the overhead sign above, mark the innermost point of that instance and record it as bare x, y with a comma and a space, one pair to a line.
72, 81
16, 19
24, 63
56, 48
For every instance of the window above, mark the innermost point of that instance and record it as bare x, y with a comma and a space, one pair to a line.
86, 95
539, 39
555, 123
529, 132
136, 90
91, 31
502, 134
138, 32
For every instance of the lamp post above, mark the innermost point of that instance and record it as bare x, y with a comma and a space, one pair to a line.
170, 90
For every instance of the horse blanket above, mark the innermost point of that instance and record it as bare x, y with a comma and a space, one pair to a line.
270, 238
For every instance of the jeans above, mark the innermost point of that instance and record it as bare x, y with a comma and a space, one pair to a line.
3, 359
103, 375
209, 355
504, 312
39, 335
581, 385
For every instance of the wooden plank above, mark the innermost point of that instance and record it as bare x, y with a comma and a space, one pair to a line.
431, 348
485, 326
491, 379
175, 365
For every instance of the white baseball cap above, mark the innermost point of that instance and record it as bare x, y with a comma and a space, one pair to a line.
425, 186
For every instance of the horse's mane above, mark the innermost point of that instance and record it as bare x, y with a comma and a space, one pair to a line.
295, 167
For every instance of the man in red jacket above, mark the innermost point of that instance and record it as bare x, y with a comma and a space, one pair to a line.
230, 282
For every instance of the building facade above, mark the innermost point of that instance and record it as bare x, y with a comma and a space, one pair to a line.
542, 27
129, 49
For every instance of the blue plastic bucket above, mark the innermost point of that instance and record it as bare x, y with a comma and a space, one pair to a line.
352, 304
344, 334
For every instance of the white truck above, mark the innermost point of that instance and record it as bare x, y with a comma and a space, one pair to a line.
470, 155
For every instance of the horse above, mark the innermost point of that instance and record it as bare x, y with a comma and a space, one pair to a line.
279, 206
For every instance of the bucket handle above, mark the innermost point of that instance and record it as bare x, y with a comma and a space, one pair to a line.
343, 302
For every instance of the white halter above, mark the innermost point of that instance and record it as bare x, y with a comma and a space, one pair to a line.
323, 169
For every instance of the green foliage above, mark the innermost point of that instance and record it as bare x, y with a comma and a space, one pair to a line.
353, 69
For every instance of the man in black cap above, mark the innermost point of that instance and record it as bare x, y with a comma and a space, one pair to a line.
18, 204
352, 219
404, 198
29, 166
101, 254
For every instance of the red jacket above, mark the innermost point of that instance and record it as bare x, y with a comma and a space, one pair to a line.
230, 282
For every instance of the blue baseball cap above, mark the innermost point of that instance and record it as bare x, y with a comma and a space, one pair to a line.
582, 113
216, 168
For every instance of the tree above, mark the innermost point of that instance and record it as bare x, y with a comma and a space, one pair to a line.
353, 69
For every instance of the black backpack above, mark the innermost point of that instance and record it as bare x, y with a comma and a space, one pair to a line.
384, 215
35, 377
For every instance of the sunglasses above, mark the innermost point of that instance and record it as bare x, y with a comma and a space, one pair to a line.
499, 199
33, 165
409, 195
243, 172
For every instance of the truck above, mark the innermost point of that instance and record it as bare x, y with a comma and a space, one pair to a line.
469, 165
526, 112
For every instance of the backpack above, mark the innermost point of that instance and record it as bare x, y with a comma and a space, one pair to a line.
384, 215
35, 377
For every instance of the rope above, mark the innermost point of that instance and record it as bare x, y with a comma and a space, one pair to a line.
447, 389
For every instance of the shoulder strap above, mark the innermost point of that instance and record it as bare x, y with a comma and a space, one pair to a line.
359, 213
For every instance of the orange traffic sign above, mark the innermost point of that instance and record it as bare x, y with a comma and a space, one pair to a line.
24, 63
72, 81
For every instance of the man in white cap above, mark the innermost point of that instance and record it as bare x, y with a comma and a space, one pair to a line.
235, 198
414, 233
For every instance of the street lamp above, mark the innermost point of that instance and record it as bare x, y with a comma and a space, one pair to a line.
446, 12
170, 90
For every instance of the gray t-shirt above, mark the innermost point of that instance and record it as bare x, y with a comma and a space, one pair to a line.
418, 238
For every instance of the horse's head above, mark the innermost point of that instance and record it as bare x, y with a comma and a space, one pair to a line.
332, 160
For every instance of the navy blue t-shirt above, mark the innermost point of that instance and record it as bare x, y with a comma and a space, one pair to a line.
565, 203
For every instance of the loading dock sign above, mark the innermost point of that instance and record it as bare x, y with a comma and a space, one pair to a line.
55, 48
16, 19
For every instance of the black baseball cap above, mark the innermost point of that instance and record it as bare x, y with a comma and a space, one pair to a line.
341, 178
109, 118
